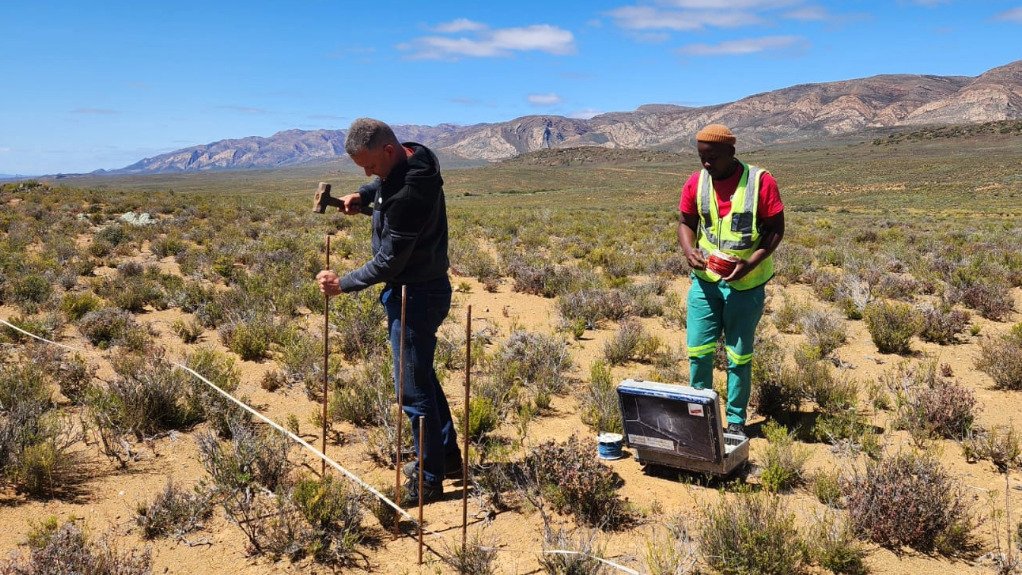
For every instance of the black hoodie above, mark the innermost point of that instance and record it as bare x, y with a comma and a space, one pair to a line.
409, 224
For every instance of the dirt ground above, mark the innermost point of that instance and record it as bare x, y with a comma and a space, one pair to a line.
108, 499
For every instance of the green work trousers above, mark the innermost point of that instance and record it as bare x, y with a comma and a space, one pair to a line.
717, 307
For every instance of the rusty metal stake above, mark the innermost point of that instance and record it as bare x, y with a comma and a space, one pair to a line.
326, 357
422, 442
400, 400
464, 456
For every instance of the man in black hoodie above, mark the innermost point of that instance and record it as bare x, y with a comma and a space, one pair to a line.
409, 248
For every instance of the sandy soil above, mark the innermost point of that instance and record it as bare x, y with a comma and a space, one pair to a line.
108, 498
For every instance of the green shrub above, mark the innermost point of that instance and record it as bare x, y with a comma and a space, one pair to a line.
909, 500
365, 399
30, 289
824, 330
68, 551
188, 330
112, 326
834, 547
249, 339
749, 534
1000, 444
533, 360
475, 558
783, 459
598, 406
891, 325
1001, 358
789, 315
360, 323
827, 488
333, 513
206, 403
76, 304
581, 556
593, 306
174, 511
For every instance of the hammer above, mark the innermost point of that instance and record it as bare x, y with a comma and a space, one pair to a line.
324, 199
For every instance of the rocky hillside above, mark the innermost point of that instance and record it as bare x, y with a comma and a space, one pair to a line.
804, 112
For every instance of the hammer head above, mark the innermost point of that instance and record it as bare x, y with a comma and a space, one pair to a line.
323, 199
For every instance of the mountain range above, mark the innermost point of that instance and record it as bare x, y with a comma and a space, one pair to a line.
805, 112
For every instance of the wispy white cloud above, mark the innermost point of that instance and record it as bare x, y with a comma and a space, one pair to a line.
544, 99
651, 18
1013, 15
739, 47
459, 25
730, 4
4, 150
585, 113
94, 111
484, 42
687, 15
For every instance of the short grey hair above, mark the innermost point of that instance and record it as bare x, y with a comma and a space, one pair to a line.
368, 134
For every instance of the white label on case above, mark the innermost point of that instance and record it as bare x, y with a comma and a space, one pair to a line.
651, 441
695, 409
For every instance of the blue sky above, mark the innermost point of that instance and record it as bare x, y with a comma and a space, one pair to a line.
90, 84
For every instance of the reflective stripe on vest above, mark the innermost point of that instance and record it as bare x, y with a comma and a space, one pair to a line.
736, 233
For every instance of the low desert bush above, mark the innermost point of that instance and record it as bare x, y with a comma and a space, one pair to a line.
788, 316
333, 514
750, 533
631, 342
174, 511
250, 339
853, 295
475, 558
546, 279
188, 330
826, 486
599, 403
533, 360
674, 551
593, 306
833, 546
909, 500
992, 300
206, 403
250, 457
891, 325
579, 559
75, 305
112, 326
942, 324
1001, 445
824, 330
1001, 358
66, 550
775, 392
360, 322
574, 481
929, 403
783, 459
365, 398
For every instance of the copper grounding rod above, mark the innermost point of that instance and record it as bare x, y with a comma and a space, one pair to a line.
422, 442
400, 402
326, 359
464, 455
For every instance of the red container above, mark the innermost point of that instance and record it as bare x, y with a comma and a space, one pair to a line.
721, 264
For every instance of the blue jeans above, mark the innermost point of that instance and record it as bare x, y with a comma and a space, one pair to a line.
426, 307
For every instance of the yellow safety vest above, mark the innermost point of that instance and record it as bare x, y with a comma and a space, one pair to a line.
736, 233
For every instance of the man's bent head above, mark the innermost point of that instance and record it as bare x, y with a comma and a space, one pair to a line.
372, 145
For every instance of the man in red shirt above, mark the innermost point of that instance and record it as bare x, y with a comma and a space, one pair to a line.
732, 220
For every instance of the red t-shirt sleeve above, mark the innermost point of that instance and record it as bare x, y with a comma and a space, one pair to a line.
687, 204
769, 197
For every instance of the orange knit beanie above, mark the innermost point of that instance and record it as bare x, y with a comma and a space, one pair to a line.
716, 133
